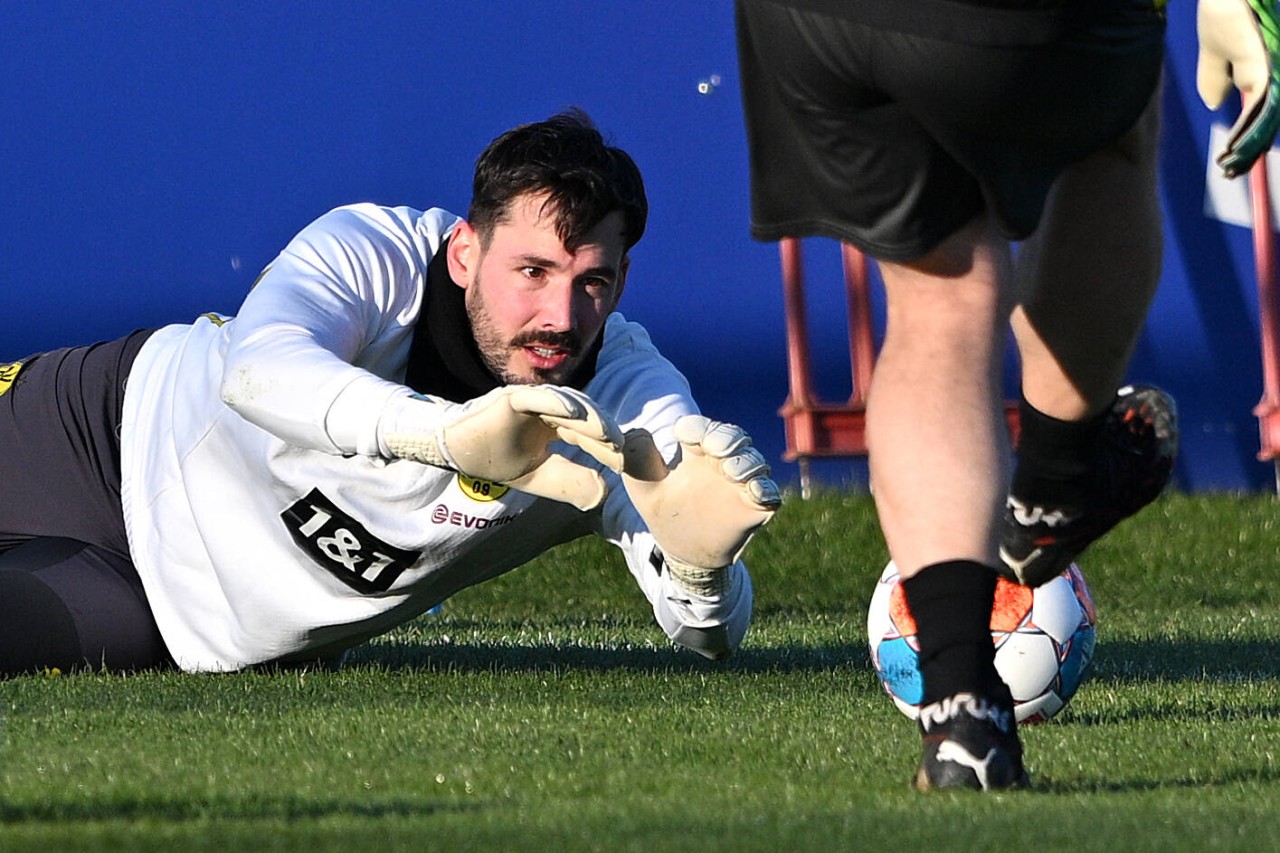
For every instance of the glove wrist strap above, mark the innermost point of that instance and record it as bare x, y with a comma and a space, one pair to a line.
708, 583
410, 429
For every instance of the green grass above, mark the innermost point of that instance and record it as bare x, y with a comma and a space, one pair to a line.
544, 711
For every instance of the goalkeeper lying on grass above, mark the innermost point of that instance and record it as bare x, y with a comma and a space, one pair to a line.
406, 404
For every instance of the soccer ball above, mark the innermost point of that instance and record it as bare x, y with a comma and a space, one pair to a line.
1044, 642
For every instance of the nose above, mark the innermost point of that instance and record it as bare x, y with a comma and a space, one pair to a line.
556, 310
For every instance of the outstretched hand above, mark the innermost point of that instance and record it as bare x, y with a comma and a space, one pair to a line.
506, 435
1240, 47
704, 508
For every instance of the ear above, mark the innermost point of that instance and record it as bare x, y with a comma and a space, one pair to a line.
463, 254
622, 280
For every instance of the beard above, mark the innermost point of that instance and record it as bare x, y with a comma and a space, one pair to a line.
496, 350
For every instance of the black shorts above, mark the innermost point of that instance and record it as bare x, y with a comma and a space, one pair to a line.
60, 444
70, 597
891, 136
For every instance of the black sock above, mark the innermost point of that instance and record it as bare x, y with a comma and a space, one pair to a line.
1057, 460
951, 604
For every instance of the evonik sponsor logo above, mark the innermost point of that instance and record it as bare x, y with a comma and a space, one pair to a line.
441, 514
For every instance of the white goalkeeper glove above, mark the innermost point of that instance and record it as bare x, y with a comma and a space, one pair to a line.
505, 436
1240, 46
704, 508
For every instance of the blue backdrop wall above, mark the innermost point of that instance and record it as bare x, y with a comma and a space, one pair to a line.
155, 155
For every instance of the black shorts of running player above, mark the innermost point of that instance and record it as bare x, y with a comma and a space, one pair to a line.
890, 125
70, 597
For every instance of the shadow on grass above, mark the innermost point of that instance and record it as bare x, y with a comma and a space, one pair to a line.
1116, 661
534, 657
1227, 661
1196, 713
248, 808
1122, 785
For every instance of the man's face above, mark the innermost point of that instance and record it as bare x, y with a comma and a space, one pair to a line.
535, 307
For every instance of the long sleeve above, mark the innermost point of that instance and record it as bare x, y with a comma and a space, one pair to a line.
319, 345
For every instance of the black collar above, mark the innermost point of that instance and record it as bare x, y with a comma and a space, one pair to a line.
444, 360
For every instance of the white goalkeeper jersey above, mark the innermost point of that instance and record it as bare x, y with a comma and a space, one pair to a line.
265, 527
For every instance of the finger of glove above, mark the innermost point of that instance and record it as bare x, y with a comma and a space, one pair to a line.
1251, 137
570, 412
690, 429
563, 480
552, 400
750, 469
765, 493
748, 462
1213, 79
641, 459
605, 447
714, 438
593, 426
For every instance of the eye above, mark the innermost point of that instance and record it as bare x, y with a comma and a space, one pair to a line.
533, 272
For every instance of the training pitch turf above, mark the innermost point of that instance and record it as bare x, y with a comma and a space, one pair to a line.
545, 711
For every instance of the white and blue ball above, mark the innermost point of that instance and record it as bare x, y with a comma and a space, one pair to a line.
1044, 641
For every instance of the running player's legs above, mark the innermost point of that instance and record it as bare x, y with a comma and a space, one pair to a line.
1086, 279
1009, 116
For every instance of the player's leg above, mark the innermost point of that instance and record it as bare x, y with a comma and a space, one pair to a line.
834, 154
1085, 280
939, 469
71, 606
938, 447
69, 595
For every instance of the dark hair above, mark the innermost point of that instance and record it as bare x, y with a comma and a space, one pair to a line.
566, 157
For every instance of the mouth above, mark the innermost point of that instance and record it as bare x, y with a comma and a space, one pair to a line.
548, 354
546, 357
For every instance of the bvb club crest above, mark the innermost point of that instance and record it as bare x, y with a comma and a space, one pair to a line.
481, 490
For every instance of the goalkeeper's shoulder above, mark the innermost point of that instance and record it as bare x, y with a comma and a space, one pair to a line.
622, 336
629, 356
637, 385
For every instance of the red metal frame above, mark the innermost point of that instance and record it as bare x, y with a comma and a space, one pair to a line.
1268, 408
817, 429
814, 428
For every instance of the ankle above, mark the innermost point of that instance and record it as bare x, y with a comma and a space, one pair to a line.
1057, 460
951, 603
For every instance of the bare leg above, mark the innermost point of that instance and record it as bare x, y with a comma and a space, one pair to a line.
938, 445
1086, 279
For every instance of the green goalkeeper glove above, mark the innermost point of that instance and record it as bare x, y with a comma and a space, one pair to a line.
1240, 46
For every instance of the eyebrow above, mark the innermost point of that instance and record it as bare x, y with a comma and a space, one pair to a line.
598, 271
536, 261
